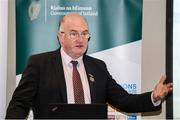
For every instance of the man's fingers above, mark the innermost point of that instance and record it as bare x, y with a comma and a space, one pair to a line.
170, 89
163, 78
169, 85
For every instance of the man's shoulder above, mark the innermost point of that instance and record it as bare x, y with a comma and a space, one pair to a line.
44, 55
93, 59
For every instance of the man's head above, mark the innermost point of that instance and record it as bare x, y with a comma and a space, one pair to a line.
73, 35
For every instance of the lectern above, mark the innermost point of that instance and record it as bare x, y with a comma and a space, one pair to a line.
77, 111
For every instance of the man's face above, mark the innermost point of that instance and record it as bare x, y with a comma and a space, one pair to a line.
73, 36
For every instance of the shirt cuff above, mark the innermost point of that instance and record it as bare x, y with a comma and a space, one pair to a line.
157, 103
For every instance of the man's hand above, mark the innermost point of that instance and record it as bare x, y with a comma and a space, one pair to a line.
161, 89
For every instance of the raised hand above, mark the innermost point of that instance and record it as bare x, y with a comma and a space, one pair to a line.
161, 89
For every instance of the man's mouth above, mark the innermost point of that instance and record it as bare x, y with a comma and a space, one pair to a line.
79, 46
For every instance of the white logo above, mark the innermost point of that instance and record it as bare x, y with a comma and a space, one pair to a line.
34, 10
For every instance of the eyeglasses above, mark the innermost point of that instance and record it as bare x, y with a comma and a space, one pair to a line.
75, 35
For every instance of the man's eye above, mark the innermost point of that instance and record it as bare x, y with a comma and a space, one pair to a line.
73, 34
84, 34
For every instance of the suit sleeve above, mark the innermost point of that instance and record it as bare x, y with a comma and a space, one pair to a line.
121, 99
23, 95
132, 103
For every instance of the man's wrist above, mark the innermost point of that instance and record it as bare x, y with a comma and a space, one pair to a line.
155, 102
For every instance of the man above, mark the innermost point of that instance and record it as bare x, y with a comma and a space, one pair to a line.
49, 78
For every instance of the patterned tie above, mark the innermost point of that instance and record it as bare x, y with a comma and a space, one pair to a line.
77, 85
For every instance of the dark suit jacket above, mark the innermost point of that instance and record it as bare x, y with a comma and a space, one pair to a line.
43, 82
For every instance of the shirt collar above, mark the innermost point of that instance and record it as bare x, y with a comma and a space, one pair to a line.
67, 59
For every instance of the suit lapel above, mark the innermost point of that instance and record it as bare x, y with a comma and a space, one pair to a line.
57, 62
91, 79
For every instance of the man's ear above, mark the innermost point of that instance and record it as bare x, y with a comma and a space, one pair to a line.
60, 36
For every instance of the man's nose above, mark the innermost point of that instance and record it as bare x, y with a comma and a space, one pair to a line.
80, 38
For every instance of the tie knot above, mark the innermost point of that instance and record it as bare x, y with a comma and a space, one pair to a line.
74, 63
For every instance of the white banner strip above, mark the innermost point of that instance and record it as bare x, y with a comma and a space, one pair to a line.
3, 55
